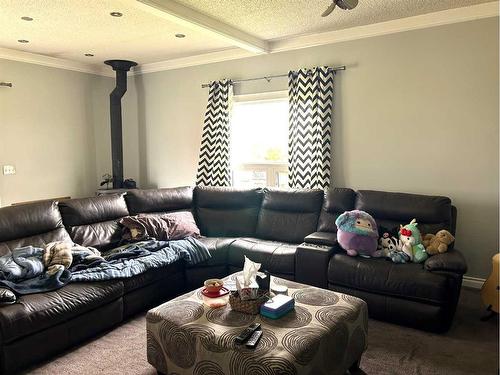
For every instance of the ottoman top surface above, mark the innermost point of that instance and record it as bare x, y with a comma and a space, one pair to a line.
323, 330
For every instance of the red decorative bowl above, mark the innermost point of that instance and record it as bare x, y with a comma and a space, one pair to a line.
213, 285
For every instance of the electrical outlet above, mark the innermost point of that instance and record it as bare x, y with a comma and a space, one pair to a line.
9, 169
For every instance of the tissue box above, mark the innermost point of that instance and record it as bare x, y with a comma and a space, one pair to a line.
277, 306
247, 292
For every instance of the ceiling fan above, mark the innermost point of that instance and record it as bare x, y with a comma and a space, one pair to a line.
343, 4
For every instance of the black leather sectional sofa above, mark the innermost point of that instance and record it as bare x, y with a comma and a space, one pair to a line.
292, 233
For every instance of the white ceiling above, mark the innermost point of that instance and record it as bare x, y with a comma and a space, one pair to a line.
70, 28
67, 29
272, 19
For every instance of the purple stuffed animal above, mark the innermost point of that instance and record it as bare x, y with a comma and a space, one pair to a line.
357, 233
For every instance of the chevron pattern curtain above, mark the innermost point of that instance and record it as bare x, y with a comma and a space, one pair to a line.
214, 161
310, 94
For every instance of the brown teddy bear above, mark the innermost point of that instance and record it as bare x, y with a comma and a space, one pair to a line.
438, 243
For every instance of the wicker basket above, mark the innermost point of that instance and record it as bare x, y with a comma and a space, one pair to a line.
248, 306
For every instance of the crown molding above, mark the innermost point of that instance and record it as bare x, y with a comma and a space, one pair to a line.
53, 62
445, 17
184, 62
422, 21
450, 16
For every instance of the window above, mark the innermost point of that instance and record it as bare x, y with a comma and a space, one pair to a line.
259, 140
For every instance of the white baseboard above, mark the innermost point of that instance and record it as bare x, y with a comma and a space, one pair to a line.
473, 282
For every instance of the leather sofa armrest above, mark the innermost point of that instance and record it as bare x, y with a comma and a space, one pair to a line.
311, 264
322, 238
451, 261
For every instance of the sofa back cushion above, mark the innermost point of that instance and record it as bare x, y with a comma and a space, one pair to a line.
159, 200
289, 215
227, 212
336, 202
94, 221
33, 224
392, 209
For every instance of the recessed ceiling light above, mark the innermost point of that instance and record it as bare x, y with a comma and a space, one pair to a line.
89, 55
27, 18
116, 14
180, 35
23, 41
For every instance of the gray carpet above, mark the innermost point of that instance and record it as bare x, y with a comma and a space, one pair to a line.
470, 347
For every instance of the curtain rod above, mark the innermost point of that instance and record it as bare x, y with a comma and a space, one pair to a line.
268, 78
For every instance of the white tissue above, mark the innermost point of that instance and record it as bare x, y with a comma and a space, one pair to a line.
246, 284
250, 270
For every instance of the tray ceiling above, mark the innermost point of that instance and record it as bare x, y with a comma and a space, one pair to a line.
70, 28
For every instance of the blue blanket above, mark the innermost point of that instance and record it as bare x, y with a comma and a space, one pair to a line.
134, 259
23, 272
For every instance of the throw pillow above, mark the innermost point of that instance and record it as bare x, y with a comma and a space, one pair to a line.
182, 225
163, 227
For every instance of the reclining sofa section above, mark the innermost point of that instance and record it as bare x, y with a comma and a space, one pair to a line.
292, 233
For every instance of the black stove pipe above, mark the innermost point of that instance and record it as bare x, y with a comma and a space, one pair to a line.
121, 67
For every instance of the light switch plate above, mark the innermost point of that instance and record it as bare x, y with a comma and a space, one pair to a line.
9, 169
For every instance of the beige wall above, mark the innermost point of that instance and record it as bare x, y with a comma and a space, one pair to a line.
414, 112
47, 130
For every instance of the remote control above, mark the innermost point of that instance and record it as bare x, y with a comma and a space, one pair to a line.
254, 339
245, 335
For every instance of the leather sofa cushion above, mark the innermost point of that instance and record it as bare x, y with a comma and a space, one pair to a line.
152, 276
336, 202
227, 212
391, 209
39, 240
424, 316
159, 200
34, 224
275, 257
322, 238
289, 215
451, 261
29, 220
299, 200
408, 281
218, 248
94, 221
103, 235
36, 312
93, 210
